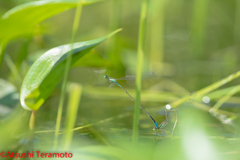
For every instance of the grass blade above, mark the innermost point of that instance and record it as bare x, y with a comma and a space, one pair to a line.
67, 67
226, 97
157, 42
207, 89
237, 24
2, 50
221, 92
198, 27
114, 46
140, 55
15, 73
75, 92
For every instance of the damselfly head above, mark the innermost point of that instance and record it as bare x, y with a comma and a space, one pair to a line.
106, 76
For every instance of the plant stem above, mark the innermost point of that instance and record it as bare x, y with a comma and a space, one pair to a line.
2, 50
14, 71
75, 92
31, 126
237, 24
207, 89
225, 98
32, 121
67, 67
142, 29
157, 35
198, 28
113, 45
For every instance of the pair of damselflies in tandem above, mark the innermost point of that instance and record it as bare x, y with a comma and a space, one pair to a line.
157, 127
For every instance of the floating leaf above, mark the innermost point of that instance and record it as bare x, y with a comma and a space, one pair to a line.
47, 71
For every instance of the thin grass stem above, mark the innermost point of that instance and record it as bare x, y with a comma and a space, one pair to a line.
113, 45
157, 35
67, 67
75, 92
225, 98
198, 28
207, 89
2, 50
120, 116
32, 120
14, 71
140, 55
237, 24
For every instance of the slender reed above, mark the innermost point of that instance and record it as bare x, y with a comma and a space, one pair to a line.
237, 25
75, 92
14, 71
2, 50
157, 34
113, 45
226, 97
67, 67
32, 126
140, 54
32, 120
207, 89
198, 28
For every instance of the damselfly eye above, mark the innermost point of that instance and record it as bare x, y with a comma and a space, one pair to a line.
106, 76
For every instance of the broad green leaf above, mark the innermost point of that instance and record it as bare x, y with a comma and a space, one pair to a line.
22, 19
92, 59
47, 71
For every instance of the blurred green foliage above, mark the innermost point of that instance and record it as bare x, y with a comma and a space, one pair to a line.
189, 45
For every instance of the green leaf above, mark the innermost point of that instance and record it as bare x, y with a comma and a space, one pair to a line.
22, 19
47, 71
92, 59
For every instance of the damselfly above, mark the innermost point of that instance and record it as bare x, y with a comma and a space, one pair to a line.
163, 124
114, 80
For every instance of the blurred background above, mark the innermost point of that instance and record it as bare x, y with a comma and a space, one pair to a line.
189, 44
